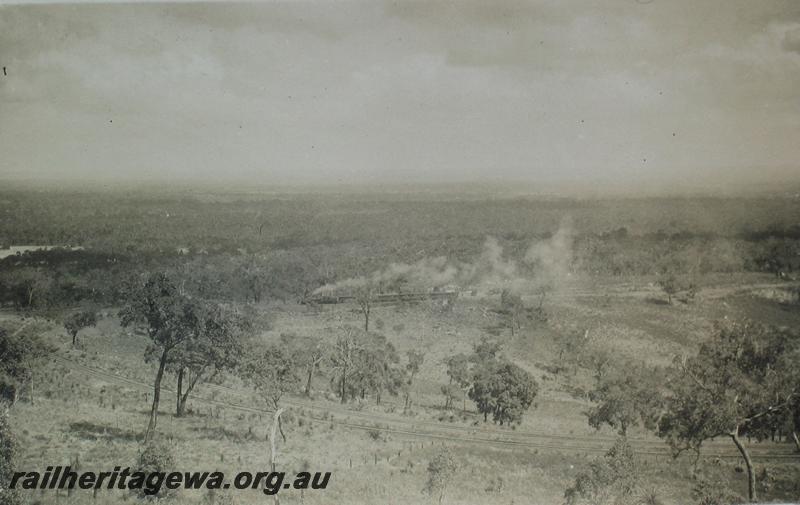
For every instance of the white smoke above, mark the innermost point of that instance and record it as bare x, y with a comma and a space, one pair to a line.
551, 260
547, 261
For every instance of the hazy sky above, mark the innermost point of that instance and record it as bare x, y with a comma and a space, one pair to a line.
293, 92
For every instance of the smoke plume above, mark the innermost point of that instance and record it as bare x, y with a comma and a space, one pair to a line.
545, 264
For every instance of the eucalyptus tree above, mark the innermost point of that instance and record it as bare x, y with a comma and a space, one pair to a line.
376, 367
22, 351
217, 346
78, 321
309, 353
415, 361
272, 371
170, 318
625, 396
742, 377
343, 355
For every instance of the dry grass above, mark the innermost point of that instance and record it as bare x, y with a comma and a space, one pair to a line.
100, 423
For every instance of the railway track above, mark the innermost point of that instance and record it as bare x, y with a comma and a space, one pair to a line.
429, 430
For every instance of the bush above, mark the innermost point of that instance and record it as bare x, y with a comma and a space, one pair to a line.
157, 456
611, 479
8, 452
377, 435
708, 491
214, 497
441, 470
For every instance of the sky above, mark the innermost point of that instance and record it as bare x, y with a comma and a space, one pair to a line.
552, 92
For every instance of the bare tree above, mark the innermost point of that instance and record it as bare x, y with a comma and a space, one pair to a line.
343, 356
365, 297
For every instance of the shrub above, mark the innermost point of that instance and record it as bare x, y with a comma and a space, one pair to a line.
441, 470
611, 479
157, 456
8, 452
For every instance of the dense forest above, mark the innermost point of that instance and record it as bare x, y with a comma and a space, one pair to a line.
247, 247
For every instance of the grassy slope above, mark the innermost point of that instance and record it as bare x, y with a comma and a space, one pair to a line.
99, 422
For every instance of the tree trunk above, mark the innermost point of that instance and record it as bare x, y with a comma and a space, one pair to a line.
74, 338
796, 440
30, 391
178, 391
343, 390
751, 476
273, 444
366, 320
308, 380
151, 426
182, 399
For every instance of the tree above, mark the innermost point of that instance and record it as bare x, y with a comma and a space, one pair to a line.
611, 479
216, 346
483, 362
343, 355
625, 397
742, 376
170, 318
485, 352
450, 392
78, 321
375, 369
415, 361
482, 391
253, 279
458, 371
28, 287
308, 352
776, 255
570, 345
21, 353
513, 308
364, 295
504, 390
669, 285
795, 414
441, 470
272, 372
